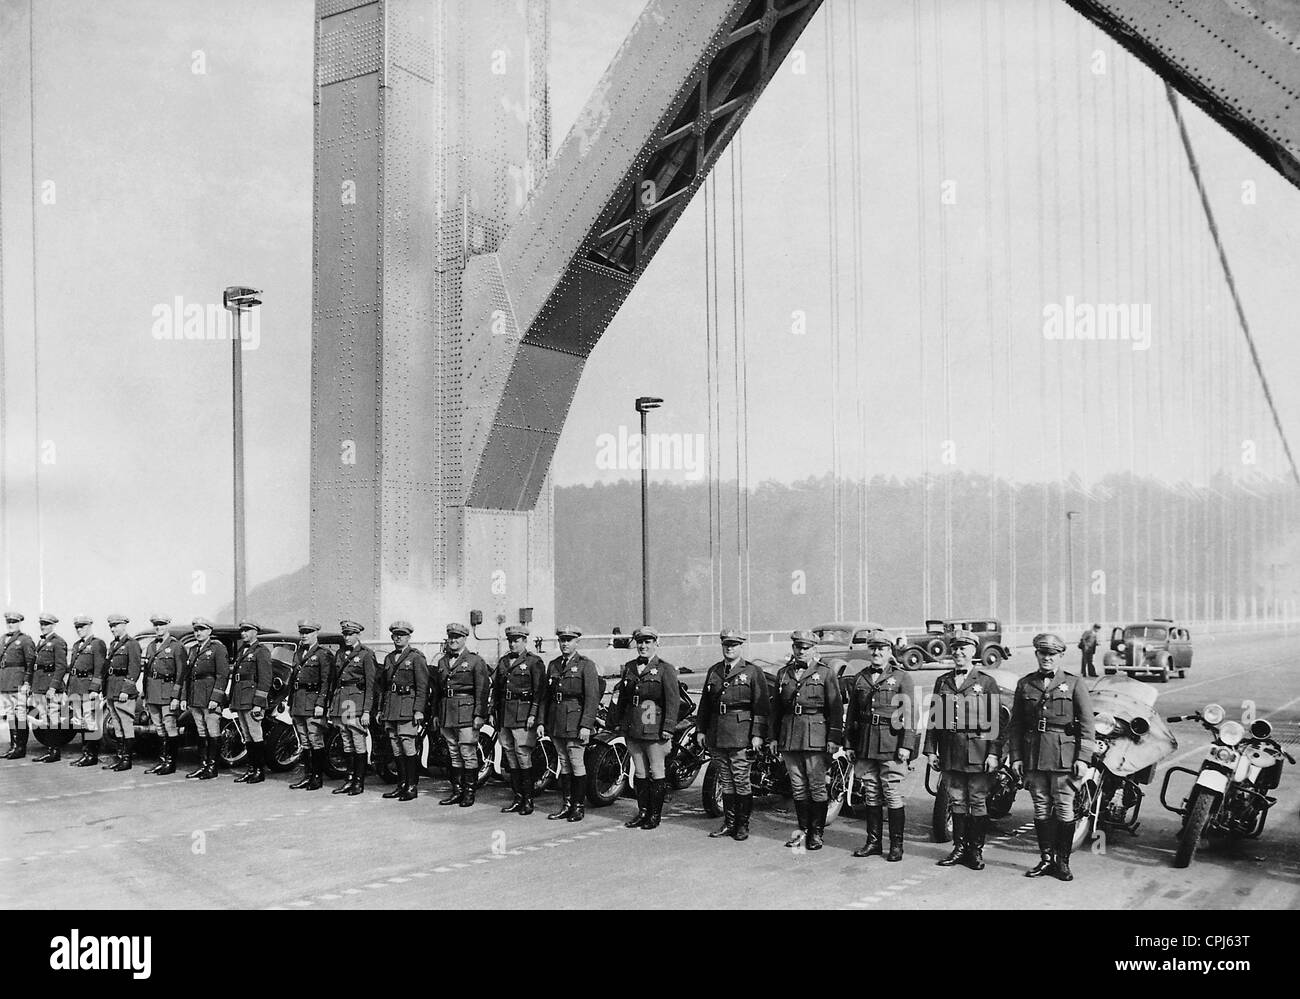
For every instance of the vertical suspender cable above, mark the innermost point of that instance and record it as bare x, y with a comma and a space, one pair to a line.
709, 372
860, 375
943, 319
1011, 422
919, 118
735, 369
992, 393
1041, 256
4, 411
744, 374
833, 213
36, 340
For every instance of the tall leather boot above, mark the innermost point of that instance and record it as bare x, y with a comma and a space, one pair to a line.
897, 819
566, 800
248, 764
412, 789
350, 779
89, 753
643, 789
975, 827
317, 770
124, 757
469, 787
958, 854
212, 758
162, 755
728, 827
400, 787
875, 824
457, 789
526, 789
358, 774
801, 813
203, 761
1045, 829
17, 743
744, 806
579, 810
1064, 847
816, 824
258, 750
658, 791
167, 765
308, 769
516, 795
112, 762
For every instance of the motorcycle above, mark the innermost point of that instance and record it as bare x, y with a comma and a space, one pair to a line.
768, 776
1230, 794
1131, 740
609, 763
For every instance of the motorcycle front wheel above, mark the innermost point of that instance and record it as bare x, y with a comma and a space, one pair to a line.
1085, 803
337, 762
285, 748
711, 791
941, 816
608, 765
231, 747
839, 775
1198, 817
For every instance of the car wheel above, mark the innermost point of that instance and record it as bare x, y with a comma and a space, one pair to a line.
935, 648
53, 738
992, 657
913, 658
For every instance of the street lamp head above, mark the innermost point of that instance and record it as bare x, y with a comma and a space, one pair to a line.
1072, 513
648, 402
239, 297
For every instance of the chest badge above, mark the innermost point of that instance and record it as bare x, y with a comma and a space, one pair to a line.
654, 672
891, 682
1063, 687
977, 689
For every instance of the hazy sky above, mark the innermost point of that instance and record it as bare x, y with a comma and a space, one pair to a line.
993, 164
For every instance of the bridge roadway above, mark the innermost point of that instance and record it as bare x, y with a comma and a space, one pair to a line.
73, 839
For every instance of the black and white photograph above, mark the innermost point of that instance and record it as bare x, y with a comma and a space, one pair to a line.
852, 441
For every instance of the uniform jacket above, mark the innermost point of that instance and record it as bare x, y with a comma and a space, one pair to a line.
206, 674
573, 696
51, 664
1050, 717
17, 661
309, 683
733, 705
965, 721
164, 665
406, 684
879, 721
250, 677
807, 713
87, 662
518, 690
123, 670
464, 683
354, 691
649, 699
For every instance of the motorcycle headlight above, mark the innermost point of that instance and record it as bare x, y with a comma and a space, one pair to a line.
1231, 733
1213, 714
1104, 723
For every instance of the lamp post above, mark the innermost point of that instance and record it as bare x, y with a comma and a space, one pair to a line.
1069, 531
238, 300
643, 405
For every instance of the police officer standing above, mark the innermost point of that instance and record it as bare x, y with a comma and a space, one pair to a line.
203, 690
519, 691
732, 717
309, 690
406, 691
1088, 647
250, 684
464, 682
646, 712
882, 738
121, 688
1050, 718
807, 723
17, 664
164, 661
50, 681
354, 696
573, 696
963, 741
87, 662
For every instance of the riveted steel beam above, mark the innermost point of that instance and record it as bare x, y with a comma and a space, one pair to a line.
665, 109
1238, 60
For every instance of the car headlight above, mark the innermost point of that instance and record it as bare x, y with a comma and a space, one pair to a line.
1212, 714
1231, 733
1119, 647
1104, 723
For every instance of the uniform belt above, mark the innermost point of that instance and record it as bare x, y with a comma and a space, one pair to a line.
560, 697
159, 676
118, 672
313, 687
801, 709
84, 675
519, 697
878, 719
460, 693
1044, 727
724, 708
403, 690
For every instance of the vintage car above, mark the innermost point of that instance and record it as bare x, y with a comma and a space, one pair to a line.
1154, 648
931, 646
